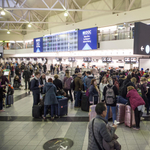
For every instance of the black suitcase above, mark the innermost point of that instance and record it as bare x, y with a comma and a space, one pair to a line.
36, 111
85, 102
62, 106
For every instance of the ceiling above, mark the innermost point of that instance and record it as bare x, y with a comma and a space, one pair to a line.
19, 13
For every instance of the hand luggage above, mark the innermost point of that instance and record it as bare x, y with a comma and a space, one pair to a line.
92, 113
129, 116
62, 106
9, 100
36, 111
85, 102
120, 113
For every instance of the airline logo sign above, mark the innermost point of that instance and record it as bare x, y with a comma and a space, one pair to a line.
87, 39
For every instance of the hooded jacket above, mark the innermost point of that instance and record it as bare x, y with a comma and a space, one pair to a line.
50, 97
88, 80
135, 99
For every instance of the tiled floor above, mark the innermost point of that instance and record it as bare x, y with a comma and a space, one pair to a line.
31, 135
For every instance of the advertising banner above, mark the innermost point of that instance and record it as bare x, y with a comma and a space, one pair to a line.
87, 39
38, 45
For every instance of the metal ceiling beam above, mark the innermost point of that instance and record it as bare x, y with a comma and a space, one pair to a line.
131, 4
12, 15
119, 3
33, 22
45, 3
46, 16
86, 4
17, 30
35, 16
23, 3
54, 4
107, 4
59, 9
76, 4
7, 3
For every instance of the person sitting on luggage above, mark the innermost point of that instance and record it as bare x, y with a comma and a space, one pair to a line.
137, 104
98, 129
103, 83
50, 99
93, 92
67, 83
17, 82
1, 95
110, 92
57, 82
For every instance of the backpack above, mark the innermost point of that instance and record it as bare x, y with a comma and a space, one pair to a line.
139, 90
72, 85
110, 95
10, 90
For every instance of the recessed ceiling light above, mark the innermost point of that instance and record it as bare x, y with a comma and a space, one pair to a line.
3, 13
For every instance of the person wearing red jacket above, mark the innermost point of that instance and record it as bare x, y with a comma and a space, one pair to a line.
137, 104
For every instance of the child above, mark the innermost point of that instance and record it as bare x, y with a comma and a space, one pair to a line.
137, 104
17, 82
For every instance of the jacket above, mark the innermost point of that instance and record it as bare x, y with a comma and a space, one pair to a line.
67, 82
88, 80
100, 131
115, 92
135, 99
50, 97
26, 75
44, 68
101, 86
18, 71
58, 84
4, 80
77, 69
35, 86
92, 92
41, 83
78, 84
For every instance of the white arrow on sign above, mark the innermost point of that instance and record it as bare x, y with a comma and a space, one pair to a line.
142, 48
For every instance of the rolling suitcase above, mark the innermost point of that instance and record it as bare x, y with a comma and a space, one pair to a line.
36, 111
92, 113
9, 100
85, 102
62, 106
120, 113
129, 117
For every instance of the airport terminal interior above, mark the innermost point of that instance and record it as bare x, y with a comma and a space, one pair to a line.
99, 45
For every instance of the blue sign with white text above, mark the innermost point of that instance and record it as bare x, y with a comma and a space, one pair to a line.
87, 39
38, 45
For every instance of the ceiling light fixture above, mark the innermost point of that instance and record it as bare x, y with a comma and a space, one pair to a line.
8, 32
2, 13
29, 25
65, 14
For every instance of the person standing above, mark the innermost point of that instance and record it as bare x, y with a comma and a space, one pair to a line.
110, 92
77, 69
61, 67
1, 95
78, 88
35, 88
67, 83
26, 76
52, 69
42, 81
44, 68
50, 99
88, 79
57, 82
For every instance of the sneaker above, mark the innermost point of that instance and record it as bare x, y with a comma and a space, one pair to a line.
142, 118
135, 128
43, 117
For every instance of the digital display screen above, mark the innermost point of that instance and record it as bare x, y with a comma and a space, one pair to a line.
38, 45
127, 59
71, 59
109, 59
6, 73
87, 59
133, 59
87, 39
35, 59
104, 59
142, 39
28, 58
67, 41
59, 59
1, 55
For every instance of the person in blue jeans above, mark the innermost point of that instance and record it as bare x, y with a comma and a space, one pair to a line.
110, 92
50, 99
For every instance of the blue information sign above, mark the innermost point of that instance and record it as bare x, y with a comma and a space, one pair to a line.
38, 45
87, 39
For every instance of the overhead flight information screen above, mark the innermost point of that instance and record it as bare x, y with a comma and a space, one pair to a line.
67, 41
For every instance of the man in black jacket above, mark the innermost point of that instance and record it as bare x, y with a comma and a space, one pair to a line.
18, 72
35, 88
44, 68
26, 76
52, 68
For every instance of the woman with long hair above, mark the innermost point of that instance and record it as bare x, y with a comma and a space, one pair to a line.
103, 83
93, 92
67, 83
